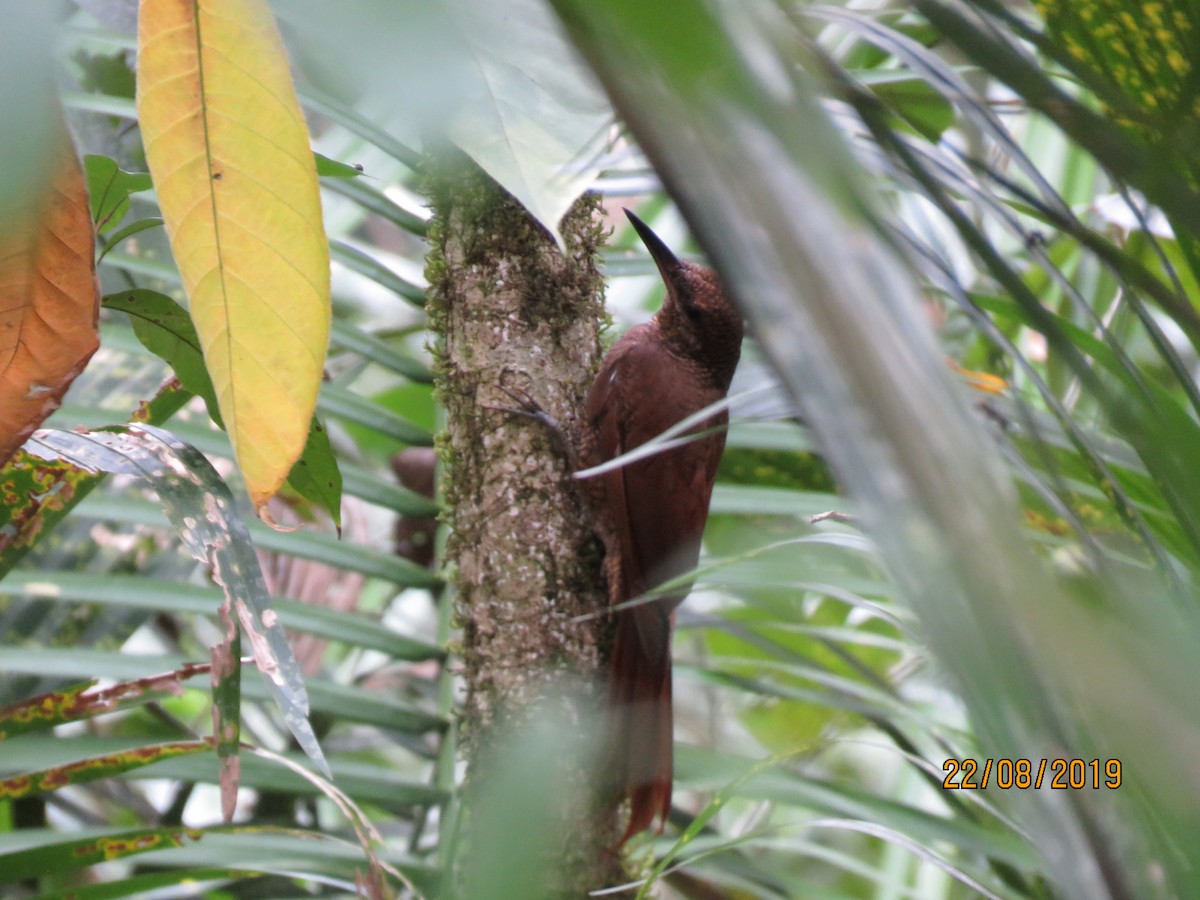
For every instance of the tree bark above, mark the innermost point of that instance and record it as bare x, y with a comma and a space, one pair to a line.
510, 310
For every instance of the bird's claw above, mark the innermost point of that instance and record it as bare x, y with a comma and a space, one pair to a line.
528, 408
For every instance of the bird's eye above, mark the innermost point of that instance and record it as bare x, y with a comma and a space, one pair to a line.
692, 312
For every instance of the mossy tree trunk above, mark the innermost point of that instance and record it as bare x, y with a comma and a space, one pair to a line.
509, 309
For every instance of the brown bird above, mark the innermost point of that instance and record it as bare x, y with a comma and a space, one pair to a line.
652, 512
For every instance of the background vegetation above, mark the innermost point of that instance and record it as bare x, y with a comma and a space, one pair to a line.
964, 237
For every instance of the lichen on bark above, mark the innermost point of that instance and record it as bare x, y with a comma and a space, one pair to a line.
509, 310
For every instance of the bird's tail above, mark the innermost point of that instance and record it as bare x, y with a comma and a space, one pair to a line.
639, 697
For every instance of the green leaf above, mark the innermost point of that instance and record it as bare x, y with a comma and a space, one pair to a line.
364, 264
105, 74
412, 404
331, 168
917, 103
315, 101
287, 851
316, 476
351, 407
374, 200
62, 856
144, 592
94, 767
165, 329
754, 500
210, 878
705, 769
109, 188
369, 346
127, 232
240, 849
364, 781
369, 486
1144, 52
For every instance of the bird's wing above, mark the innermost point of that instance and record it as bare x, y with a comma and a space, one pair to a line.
657, 505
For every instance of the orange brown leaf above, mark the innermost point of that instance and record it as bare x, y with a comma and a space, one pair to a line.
49, 303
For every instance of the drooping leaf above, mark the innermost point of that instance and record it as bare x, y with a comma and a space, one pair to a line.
228, 148
200, 506
49, 303
536, 119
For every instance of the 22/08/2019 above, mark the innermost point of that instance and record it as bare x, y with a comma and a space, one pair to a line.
1065, 774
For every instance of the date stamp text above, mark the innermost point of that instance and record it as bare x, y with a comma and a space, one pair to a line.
1057, 774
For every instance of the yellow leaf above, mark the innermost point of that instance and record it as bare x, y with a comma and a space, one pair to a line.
229, 153
49, 302
984, 382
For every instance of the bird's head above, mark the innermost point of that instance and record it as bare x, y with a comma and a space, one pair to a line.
697, 319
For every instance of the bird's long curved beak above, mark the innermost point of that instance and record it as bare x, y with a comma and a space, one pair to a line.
668, 264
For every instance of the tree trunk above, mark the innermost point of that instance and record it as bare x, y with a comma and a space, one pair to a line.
510, 310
